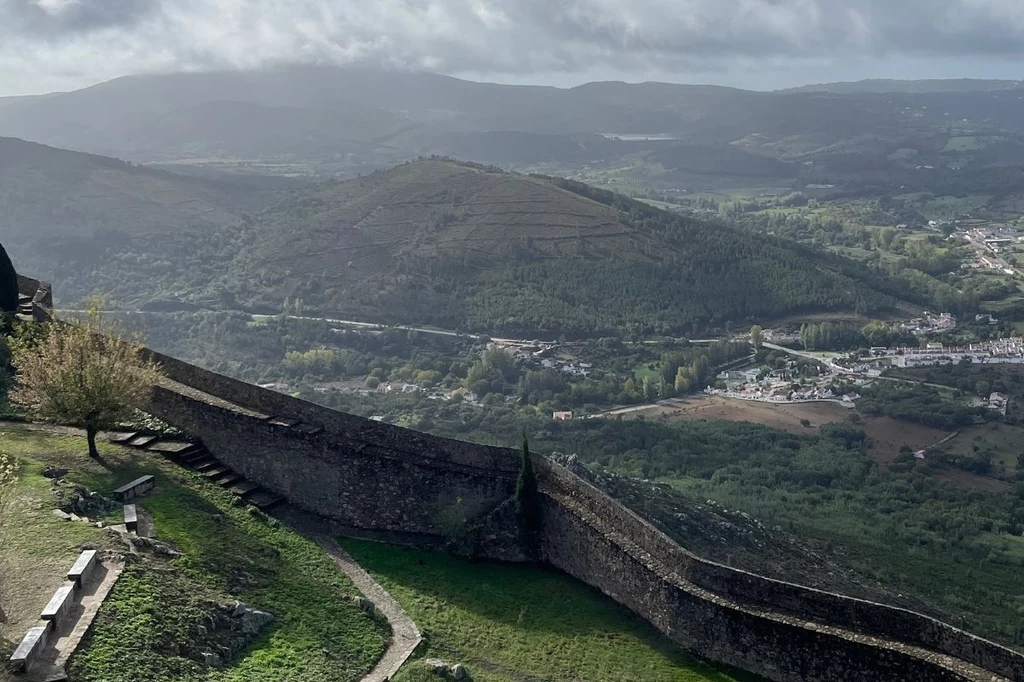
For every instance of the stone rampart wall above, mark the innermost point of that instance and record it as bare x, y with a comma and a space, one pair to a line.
379, 477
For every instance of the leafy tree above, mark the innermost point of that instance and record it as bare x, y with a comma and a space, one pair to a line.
8, 284
83, 374
756, 334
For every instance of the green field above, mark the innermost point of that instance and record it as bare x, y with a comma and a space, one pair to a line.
149, 628
643, 371
508, 624
1002, 440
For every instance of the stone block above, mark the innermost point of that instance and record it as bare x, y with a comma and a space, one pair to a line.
136, 489
60, 603
84, 566
131, 518
24, 658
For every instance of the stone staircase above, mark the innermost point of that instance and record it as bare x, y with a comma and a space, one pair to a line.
25, 308
196, 457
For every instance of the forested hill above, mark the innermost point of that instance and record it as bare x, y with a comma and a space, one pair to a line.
430, 242
92, 223
465, 247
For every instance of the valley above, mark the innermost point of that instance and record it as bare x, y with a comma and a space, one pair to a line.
782, 328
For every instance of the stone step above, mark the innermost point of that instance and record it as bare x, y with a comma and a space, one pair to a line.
244, 488
172, 448
141, 441
227, 479
264, 499
121, 437
198, 455
205, 464
214, 472
308, 429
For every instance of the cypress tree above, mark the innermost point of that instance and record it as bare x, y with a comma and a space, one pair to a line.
527, 499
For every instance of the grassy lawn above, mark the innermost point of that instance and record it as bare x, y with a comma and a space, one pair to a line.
643, 370
152, 624
39, 548
508, 623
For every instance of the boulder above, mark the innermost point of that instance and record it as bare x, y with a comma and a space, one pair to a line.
212, 660
459, 672
52, 472
250, 621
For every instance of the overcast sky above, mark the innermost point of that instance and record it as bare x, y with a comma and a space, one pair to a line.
48, 45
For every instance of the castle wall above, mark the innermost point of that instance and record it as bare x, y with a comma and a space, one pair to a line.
379, 477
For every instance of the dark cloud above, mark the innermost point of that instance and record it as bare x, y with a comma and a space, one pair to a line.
69, 40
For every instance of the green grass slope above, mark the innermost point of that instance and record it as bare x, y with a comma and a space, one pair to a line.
153, 621
512, 624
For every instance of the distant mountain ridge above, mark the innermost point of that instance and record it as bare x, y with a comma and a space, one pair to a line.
344, 120
888, 85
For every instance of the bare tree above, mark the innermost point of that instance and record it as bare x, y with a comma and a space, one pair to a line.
85, 374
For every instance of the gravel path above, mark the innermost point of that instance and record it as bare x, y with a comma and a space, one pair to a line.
405, 636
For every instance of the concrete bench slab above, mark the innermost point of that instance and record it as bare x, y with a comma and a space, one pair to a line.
24, 658
84, 566
131, 518
137, 488
60, 602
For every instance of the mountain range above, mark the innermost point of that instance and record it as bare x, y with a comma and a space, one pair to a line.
343, 121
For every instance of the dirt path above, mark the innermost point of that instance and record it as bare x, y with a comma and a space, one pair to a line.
405, 636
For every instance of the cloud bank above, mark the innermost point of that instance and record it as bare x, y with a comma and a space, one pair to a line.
58, 43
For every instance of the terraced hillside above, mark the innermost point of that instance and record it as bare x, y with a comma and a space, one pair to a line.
473, 248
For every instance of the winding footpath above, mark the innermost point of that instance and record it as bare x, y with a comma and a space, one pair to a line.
405, 636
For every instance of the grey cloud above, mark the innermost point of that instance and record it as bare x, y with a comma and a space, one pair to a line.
110, 37
47, 19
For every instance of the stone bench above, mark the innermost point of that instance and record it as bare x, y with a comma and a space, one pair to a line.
24, 658
84, 566
61, 601
131, 518
136, 489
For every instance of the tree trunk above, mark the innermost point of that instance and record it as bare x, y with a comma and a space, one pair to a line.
90, 434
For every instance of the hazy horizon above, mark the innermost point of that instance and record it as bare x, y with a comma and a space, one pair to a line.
60, 45
562, 81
